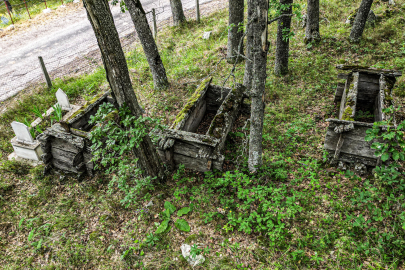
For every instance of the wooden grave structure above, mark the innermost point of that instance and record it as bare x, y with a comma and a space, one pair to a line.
361, 100
180, 144
66, 145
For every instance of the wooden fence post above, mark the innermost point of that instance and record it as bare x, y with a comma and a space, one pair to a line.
47, 78
8, 10
29, 15
197, 10
154, 23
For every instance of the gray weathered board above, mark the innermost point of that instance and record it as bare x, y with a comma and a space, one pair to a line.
66, 145
181, 145
364, 88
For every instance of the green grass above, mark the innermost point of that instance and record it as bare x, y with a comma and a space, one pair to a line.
320, 217
20, 14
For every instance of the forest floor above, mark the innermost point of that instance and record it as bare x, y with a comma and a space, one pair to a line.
298, 213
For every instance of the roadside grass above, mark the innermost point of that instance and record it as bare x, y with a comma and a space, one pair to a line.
20, 14
298, 213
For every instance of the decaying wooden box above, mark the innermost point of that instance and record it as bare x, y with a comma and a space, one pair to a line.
202, 152
362, 98
66, 145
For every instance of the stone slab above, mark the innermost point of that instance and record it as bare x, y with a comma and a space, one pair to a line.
22, 132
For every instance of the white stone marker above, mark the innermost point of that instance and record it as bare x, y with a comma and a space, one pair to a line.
22, 132
63, 100
207, 35
24, 145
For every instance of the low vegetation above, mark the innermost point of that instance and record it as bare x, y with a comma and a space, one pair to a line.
298, 212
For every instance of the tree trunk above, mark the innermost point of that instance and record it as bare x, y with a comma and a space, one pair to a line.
312, 30
248, 77
100, 17
236, 16
148, 43
260, 48
283, 42
360, 21
177, 11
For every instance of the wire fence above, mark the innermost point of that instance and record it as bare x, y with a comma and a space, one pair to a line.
78, 53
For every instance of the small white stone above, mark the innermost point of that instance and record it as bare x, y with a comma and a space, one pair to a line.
185, 251
391, 2
76, 1
11, 27
48, 10
207, 35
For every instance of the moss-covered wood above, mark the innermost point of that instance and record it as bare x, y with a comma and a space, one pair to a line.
180, 145
366, 90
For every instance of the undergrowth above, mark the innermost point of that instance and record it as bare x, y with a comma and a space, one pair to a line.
298, 213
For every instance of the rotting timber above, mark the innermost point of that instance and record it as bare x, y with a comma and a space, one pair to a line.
181, 145
66, 145
362, 98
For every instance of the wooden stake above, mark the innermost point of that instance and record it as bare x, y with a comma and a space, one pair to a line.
197, 10
47, 78
154, 23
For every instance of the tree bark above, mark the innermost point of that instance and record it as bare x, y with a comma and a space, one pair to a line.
312, 29
360, 21
145, 35
101, 19
260, 48
283, 44
248, 76
236, 16
177, 11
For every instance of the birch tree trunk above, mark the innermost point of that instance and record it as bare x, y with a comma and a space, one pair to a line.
248, 76
150, 49
100, 17
283, 44
236, 16
177, 12
312, 29
360, 21
260, 48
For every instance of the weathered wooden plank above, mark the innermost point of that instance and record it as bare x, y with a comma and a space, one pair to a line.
339, 92
213, 96
193, 150
343, 99
188, 136
349, 158
193, 102
65, 146
195, 117
218, 163
371, 78
343, 76
386, 72
338, 148
344, 122
358, 133
349, 109
198, 164
226, 116
350, 146
58, 132
73, 159
66, 167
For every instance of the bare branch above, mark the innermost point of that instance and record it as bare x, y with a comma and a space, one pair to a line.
279, 17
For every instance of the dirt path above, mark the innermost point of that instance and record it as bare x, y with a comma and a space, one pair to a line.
60, 41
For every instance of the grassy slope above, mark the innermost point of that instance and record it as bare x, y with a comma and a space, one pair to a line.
83, 226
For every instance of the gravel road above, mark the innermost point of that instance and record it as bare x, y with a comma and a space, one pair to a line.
59, 42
